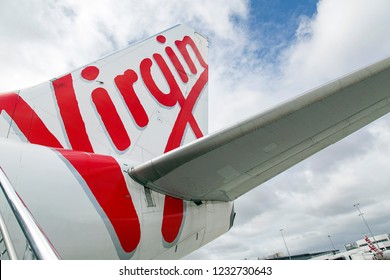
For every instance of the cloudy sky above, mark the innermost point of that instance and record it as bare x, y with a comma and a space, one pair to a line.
261, 53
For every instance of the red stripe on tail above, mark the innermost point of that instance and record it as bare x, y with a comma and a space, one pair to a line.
104, 177
27, 120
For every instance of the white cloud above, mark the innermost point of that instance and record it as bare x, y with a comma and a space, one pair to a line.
46, 38
343, 36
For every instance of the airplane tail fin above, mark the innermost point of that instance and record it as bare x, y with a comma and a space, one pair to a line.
139, 102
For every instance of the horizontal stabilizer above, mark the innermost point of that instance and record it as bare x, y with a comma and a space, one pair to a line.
226, 164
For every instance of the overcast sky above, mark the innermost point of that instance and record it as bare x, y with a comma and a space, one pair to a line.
261, 53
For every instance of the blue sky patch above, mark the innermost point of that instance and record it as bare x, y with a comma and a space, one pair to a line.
274, 23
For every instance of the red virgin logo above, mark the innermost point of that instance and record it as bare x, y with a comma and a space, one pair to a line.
37, 132
124, 82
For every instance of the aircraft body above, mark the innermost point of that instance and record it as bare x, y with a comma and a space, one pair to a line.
114, 160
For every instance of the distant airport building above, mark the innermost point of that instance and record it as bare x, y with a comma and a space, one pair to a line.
382, 241
368, 248
306, 256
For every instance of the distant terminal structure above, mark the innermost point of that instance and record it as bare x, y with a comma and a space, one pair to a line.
368, 248
305, 256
